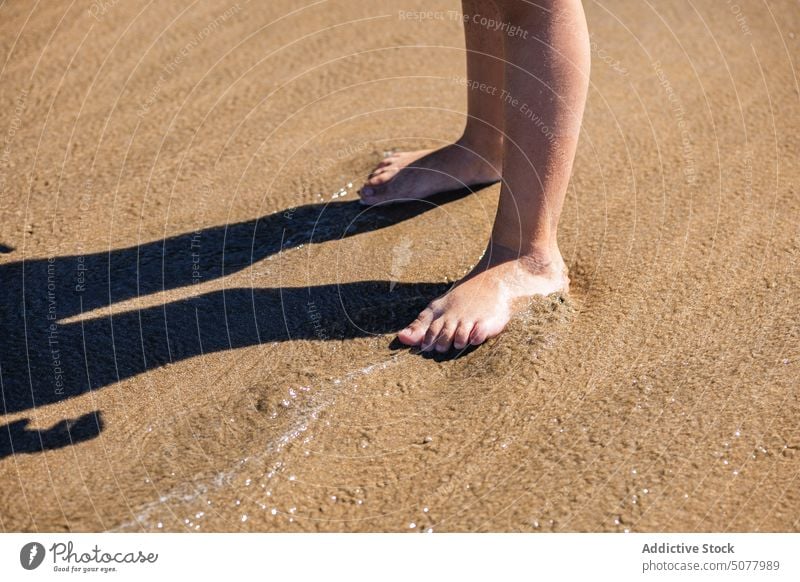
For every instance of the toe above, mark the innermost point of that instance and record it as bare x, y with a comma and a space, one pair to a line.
377, 171
486, 330
413, 334
479, 334
446, 337
382, 193
372, 194
461, 336
381, 176
432, 335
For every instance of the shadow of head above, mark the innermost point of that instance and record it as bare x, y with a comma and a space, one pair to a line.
16, 438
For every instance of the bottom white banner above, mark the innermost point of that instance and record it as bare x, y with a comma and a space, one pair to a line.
370, 557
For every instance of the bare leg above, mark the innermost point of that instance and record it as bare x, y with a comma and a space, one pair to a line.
475, 158
546, 80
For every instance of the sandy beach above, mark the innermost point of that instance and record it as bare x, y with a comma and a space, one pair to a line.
198, 316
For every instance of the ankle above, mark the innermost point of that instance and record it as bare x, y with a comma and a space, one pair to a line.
486, 144
538, 259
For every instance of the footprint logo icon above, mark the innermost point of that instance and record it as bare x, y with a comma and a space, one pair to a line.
31, 555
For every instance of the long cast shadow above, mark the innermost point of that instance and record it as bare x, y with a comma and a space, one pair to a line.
43, 361
98, 352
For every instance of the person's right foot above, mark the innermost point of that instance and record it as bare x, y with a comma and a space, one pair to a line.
480, 306
415, 175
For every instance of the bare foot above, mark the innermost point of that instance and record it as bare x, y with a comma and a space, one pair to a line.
415, 175
480, 306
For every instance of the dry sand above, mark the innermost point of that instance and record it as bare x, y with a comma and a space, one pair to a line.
168, 173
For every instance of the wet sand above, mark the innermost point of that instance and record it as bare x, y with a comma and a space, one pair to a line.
206, 336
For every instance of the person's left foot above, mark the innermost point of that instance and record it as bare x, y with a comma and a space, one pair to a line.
480, 306
408, 176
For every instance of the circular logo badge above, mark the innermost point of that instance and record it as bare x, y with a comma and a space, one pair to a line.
31, 555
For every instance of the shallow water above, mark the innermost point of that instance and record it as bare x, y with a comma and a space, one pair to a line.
229, 362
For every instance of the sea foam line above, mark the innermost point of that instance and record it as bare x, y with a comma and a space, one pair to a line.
189, 492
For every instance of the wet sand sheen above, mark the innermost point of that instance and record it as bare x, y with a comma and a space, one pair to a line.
227, 363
